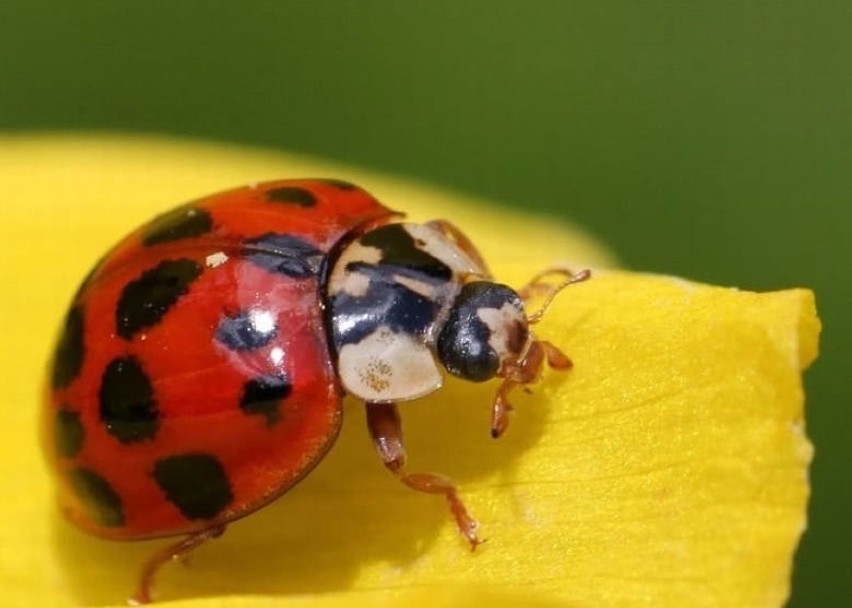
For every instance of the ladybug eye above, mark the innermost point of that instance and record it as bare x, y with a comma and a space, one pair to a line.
486, 329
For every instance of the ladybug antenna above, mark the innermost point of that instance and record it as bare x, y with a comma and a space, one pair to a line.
538, 285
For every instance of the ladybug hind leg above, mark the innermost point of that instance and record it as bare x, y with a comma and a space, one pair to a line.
385, 428
181, 549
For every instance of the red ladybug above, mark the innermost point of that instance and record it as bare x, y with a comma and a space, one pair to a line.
201, 366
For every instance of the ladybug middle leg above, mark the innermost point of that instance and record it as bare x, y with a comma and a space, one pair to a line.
142, 595
386, 430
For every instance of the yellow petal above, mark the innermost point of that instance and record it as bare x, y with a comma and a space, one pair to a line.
669, 468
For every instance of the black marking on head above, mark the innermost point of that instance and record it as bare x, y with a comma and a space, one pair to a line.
385, 304
195, 483
285, 254
70, 351
340, 184
291, 195
69, 433
127, 405
400, 250
463, 341
242, 332
99, 498
263, 395
177, 224
145, 301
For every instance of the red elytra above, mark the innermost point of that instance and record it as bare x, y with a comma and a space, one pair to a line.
197, 376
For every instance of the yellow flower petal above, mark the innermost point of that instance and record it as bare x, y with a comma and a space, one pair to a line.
669, 468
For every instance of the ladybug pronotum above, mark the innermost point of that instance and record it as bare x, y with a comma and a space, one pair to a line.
201, 366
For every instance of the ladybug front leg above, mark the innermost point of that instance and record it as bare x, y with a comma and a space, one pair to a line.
386, 430
142, 595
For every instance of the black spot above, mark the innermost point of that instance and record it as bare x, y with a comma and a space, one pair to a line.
195, 483
291, 195
262, 396
127, 404
400, 250
339, 184
98, 496
285, 254
463, 341
180, 223
146, 300
241, 332
68, 360
69, 433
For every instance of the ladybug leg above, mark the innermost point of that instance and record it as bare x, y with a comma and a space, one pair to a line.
501, 408
386, 430
522, 373
556, 359
142, 595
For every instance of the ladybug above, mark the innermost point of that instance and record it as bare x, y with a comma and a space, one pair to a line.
200, 370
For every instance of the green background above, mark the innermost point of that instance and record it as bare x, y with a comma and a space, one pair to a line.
709, 139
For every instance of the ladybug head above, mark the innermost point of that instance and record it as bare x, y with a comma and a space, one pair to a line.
487, 335
485, 332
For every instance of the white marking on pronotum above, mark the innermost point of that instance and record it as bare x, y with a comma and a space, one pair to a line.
387, 366
355, 284
419, 287
438, 246
341, 278
216, 259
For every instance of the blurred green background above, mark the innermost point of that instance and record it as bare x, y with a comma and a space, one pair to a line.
709, 139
